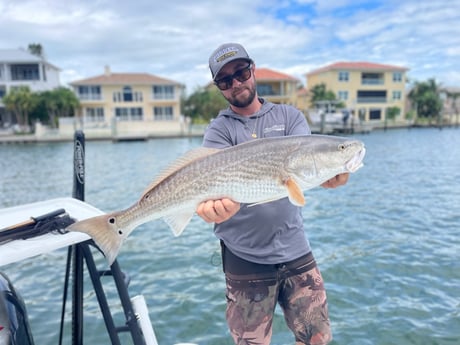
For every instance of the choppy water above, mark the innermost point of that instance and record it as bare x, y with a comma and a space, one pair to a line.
388, 243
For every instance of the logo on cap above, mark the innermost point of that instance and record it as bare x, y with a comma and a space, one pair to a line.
225, 54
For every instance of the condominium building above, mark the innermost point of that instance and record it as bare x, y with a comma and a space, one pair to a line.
367, 89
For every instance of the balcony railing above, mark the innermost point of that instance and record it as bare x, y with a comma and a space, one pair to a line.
90, 97
372, 100
369, 81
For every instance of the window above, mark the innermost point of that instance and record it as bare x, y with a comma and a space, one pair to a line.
370, 96
2, 91
86, 92
163, 113
127, 94
342, 95
343, 76
265, 90
397, 77
396, 95
25, 72
94, 115
375, 114
163, 92
129, 114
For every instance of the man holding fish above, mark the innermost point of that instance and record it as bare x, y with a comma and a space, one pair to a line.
266, 256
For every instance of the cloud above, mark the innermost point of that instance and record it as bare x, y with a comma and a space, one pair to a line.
174, 39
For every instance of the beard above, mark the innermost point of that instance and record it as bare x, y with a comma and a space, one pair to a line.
239, 99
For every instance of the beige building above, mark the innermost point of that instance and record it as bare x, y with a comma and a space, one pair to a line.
367, 89
276, 87
128, 106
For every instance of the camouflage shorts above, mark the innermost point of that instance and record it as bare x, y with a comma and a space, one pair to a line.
297, 287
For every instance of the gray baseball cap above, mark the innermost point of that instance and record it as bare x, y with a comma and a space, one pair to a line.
224, 54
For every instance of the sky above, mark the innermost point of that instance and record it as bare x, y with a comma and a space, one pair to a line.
174, 39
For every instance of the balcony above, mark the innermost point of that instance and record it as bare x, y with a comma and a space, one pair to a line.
371, 100
371, 81
371, 96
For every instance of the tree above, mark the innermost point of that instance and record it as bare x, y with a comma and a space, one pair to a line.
60, 102
36, 49
204, 104
21, 102
425, 98
319, 93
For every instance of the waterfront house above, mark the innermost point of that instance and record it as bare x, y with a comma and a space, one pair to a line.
276, 87
18, 68
367, 89
127, 106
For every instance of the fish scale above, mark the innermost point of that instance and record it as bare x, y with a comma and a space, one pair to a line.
254, 172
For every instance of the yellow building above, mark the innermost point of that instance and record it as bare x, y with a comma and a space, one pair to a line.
276, 87
367, 89
129, 105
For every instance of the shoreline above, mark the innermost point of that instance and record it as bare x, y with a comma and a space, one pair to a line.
33, 139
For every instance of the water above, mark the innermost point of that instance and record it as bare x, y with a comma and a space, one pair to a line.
387, 243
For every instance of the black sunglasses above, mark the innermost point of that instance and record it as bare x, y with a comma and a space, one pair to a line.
241, 75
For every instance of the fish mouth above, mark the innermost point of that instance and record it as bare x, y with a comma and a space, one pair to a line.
356, 161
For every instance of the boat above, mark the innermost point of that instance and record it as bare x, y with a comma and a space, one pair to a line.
30, 230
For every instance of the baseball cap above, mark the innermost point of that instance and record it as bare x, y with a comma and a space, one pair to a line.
224, 54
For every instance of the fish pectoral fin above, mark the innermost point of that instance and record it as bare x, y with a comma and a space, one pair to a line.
179, 221
295, 193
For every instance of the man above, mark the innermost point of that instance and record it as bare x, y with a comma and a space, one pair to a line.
266, 256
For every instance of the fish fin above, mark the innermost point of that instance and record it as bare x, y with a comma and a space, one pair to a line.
104, 232
181, 162
178, 222
294, 192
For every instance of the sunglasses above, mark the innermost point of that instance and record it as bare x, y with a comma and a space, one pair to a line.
241, 75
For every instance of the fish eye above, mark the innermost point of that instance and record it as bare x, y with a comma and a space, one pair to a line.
112, 220
342, 147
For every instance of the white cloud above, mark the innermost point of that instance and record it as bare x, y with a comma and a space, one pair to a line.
174, 39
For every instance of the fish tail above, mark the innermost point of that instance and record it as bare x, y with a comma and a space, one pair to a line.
104, 233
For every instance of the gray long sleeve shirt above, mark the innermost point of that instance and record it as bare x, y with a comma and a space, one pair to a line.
273, 232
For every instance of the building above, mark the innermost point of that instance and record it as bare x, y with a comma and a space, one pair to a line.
18, 68
450, 97
276, 87
127, 105
367, 89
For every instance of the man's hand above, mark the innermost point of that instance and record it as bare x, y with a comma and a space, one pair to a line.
217, 211
336, 181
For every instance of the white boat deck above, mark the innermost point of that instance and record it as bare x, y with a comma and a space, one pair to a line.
18, 250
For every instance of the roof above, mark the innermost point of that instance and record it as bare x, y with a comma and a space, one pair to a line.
361, 66
265, 74
21, 56
125, 78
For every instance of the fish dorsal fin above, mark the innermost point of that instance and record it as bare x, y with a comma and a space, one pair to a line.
181, 162
295, 192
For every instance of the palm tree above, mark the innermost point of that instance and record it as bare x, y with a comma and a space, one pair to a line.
36, 49
60, 102
20, 101
425, 99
